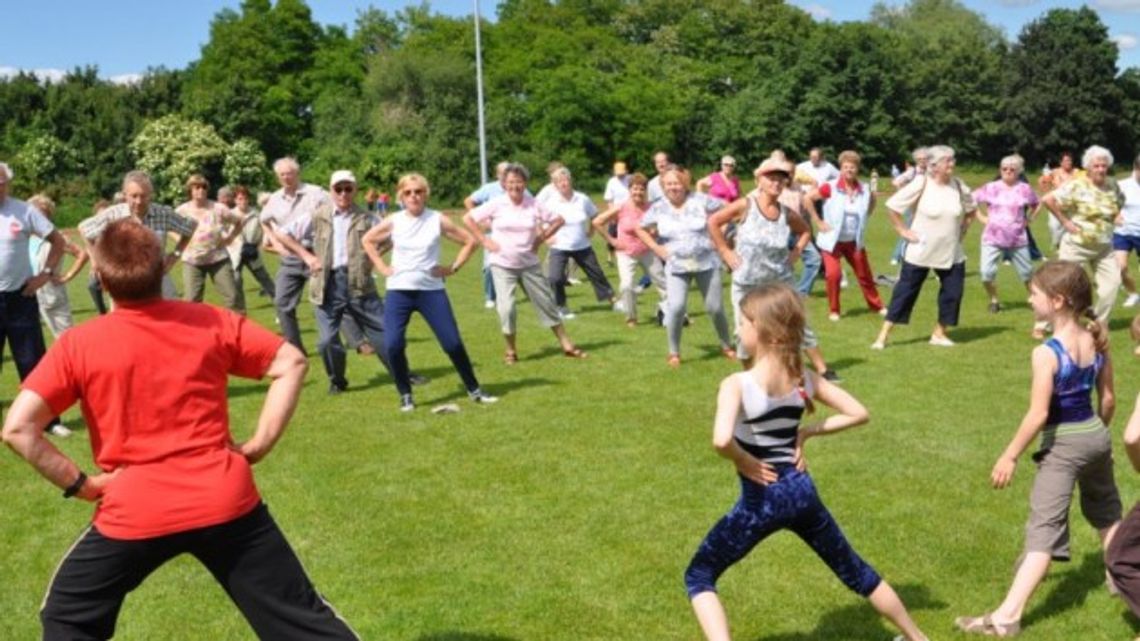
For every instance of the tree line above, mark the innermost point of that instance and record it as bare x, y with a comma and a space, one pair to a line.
585, 82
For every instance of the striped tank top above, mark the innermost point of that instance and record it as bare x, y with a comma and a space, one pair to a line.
766, 426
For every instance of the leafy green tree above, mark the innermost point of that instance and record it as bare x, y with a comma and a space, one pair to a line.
172, 148
951, 61
1061, 91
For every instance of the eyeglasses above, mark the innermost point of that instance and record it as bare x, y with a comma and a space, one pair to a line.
344, 189
414, 192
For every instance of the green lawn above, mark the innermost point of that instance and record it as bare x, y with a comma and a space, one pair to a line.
570, 509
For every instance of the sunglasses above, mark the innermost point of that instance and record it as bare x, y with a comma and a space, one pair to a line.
344, 189
414, 192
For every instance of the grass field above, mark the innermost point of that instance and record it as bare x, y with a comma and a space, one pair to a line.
569, 509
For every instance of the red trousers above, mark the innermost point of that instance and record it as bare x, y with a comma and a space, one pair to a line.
857, 258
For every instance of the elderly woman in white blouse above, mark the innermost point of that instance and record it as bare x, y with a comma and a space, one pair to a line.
943, 207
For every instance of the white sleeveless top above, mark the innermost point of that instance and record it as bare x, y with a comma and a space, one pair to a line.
415, 250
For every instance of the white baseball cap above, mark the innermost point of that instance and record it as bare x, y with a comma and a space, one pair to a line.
342, 176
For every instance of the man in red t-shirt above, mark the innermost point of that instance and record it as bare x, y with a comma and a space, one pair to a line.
151, 380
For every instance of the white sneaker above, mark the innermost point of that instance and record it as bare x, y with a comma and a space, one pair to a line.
883, 312
59, 430
566, 314
573, 281
843, 282
489, 305
878, 346
619, 307
894, 261
941, 341
1132, 300
833, 317
639, 289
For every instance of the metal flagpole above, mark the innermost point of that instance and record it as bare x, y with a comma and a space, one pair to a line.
479, 92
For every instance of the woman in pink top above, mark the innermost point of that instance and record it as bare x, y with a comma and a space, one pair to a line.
722, 184
1007, 202
206, 253
519, 225
631, 251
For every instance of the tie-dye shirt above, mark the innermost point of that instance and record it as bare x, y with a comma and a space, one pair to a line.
1006, 212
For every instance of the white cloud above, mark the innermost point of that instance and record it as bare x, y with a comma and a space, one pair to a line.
1126, 41
1117, 5
54, 75
126, 79
819, 12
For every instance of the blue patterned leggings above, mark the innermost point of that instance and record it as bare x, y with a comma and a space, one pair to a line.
790, 503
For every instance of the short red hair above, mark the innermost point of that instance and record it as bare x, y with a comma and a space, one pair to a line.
128, 259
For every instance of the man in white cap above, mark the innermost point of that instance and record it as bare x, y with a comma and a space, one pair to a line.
330, 244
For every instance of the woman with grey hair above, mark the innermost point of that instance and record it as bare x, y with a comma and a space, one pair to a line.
572, 241
519, 225
1087, 208
943, 207
1006, 202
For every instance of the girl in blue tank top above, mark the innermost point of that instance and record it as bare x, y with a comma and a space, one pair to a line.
1075, 447
758, 427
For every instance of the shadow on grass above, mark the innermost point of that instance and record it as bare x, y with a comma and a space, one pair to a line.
550, 350
860, 621
1070, 591
495, 389
962, 335
463, 636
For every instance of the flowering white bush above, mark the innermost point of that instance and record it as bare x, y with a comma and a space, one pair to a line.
44, 160
172, 148
245, 164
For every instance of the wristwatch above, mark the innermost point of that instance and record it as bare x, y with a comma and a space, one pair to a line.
74, 488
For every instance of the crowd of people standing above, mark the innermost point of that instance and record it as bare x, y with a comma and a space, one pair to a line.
683, 234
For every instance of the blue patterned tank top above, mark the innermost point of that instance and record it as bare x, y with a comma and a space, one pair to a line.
1072, 387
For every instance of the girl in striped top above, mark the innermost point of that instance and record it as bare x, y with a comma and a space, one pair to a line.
757, 427
1075, 447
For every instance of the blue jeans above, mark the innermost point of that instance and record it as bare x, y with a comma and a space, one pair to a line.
367, 311
812, 261
791, 503
435, 307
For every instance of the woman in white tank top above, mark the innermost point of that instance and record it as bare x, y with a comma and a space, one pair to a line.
415, 284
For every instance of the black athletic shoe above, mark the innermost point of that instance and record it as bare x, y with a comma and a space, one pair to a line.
406, 403
831, 376
335, 389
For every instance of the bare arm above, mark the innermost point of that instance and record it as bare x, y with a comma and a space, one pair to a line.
81, 258
1105, 391
1050, 203
460, 236
24, 434
716, 224
484, 240
379, 233
1044, 366
287, 372
1132, 436
601, 222
293, 246
650, 241
55, 252
807, 201
849, 412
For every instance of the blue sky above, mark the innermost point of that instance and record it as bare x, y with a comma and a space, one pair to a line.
124, 37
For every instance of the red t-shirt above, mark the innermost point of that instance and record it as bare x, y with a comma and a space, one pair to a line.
151, 381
